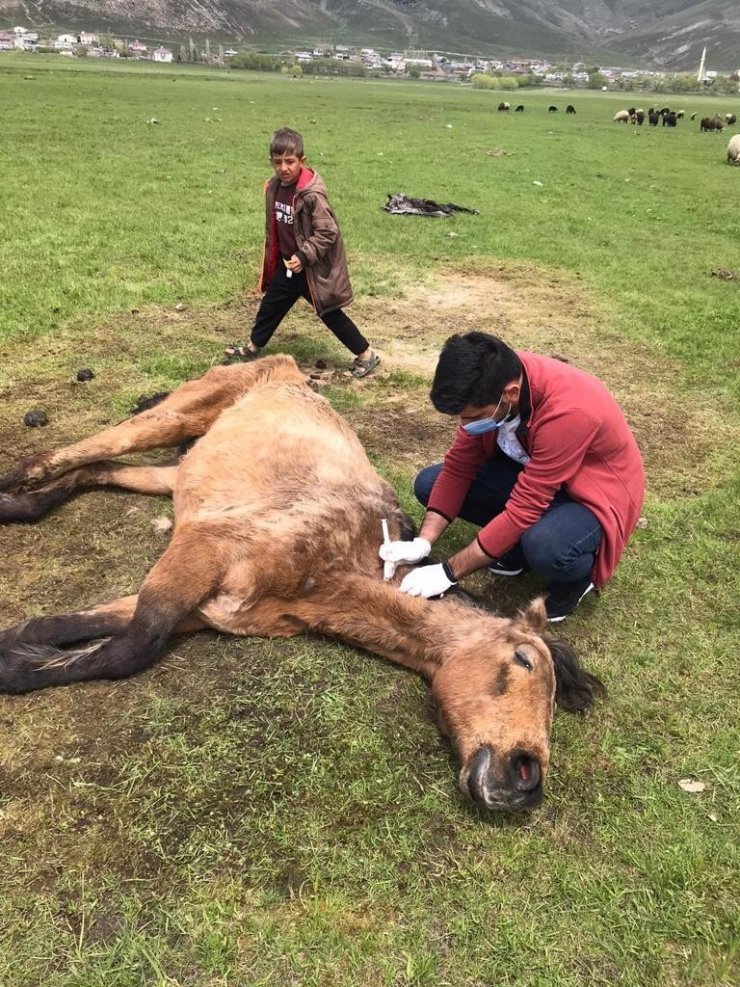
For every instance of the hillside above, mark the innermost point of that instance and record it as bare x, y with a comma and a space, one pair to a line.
666, 33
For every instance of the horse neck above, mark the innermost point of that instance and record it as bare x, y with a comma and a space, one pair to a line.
375, 616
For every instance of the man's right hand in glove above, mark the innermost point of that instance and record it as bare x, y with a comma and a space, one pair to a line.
402, 552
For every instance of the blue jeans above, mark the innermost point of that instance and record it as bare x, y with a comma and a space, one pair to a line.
560, 546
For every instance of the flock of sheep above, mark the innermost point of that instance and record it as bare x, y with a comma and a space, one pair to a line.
667, 116
504, 107
670, 118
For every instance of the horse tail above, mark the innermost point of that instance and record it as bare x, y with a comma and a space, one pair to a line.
30, 656
575, 688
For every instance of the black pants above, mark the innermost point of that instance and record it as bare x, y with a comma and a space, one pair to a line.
282, 294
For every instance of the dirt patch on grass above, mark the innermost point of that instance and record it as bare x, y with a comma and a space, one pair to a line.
102, 544
57, 565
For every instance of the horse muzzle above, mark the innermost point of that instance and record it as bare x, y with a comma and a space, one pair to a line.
510, 783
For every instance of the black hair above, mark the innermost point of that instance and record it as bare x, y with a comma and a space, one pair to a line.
286, 141
575, 688
473, 369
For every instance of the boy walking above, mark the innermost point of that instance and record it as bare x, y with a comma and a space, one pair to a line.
303, 257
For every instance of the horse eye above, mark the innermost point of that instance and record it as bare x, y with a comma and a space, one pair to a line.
521, 659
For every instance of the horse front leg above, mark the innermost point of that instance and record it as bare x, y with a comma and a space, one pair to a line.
30, 505
187, 413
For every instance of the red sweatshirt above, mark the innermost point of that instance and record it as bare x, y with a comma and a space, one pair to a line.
578, 441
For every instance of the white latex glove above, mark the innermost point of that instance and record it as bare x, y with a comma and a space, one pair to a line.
428, 580
405, 551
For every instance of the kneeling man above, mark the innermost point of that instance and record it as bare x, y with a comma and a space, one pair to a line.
543, 460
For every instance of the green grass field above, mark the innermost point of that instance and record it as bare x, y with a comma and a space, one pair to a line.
285, 813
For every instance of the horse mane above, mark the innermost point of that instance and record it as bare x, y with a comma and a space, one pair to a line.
575, 688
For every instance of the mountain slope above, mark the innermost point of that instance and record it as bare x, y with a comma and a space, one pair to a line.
664, 32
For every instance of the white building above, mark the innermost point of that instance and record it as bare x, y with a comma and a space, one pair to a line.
162, 54
24, 39
65, 42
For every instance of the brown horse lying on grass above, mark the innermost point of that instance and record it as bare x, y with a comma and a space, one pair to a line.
277, 526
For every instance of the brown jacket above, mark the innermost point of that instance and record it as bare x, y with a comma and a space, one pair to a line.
319, 242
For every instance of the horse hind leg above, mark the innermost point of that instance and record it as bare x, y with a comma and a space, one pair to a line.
32, 504
37, 643
30, 654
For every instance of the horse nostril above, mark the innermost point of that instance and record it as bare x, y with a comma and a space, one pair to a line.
525, 771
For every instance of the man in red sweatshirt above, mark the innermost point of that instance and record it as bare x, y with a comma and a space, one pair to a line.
543, 460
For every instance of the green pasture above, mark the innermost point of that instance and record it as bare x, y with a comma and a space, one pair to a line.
285, 813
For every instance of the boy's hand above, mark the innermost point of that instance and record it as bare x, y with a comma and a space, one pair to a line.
294, 264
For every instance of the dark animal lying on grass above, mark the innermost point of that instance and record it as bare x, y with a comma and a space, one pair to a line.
277, 527
570, 108
403, 205
552, 109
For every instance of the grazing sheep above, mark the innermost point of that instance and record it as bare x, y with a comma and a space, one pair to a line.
669, 118
639, 117
519, 109
653, 118
712, 123
552, 109
622, 116
693, 116
503, 107
730, 118
680, 115
733, 150
570, 108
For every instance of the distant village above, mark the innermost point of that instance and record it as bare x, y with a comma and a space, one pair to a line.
351, 60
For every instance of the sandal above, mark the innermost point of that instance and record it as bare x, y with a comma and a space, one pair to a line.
239, 353
361, 368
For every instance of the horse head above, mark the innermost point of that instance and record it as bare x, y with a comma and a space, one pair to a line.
496, 695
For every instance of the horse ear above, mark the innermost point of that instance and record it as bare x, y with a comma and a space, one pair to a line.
534, 618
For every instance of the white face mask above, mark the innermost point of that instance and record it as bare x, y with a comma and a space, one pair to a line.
509, 444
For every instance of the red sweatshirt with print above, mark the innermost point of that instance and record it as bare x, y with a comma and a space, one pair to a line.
578, 440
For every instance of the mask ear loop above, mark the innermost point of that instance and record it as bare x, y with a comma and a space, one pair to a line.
508, 417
